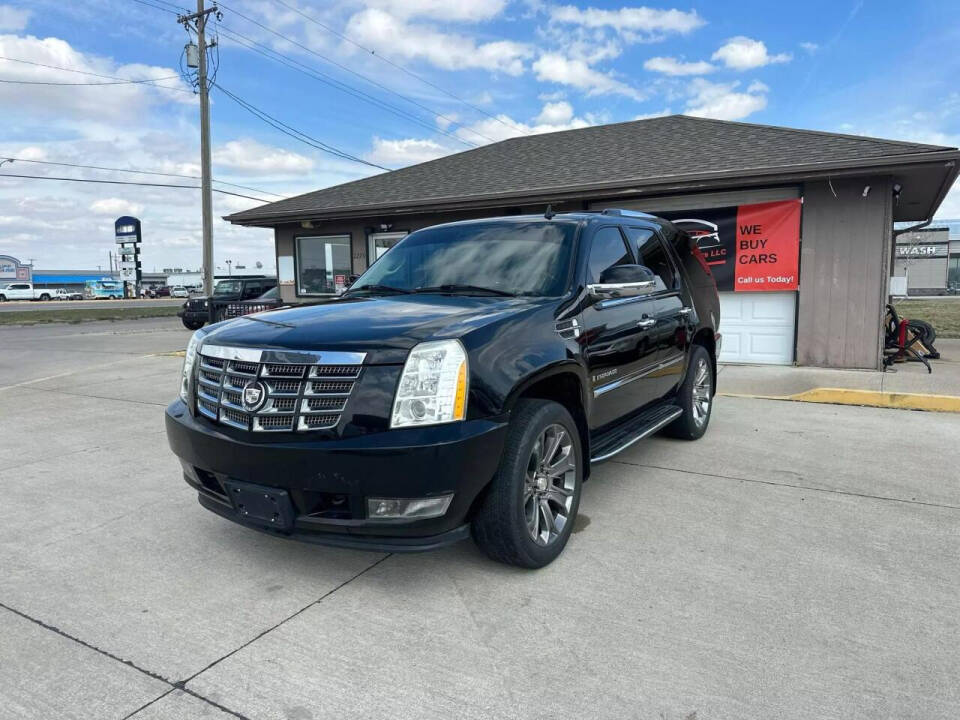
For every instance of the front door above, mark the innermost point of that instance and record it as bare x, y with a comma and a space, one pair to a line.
619, 348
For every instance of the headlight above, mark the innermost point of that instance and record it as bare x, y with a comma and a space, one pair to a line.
433, 386
189, 359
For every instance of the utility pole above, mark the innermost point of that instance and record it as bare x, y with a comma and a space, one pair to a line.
198, 22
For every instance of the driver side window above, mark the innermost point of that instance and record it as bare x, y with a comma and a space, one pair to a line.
608, 250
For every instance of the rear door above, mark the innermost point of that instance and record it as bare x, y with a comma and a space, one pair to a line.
673, 310
619, 349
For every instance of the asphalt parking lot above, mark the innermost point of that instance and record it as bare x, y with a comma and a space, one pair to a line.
801, 561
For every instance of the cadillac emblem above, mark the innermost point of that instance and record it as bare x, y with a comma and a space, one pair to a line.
254, 393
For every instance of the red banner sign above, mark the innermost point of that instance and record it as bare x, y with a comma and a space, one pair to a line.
749, 248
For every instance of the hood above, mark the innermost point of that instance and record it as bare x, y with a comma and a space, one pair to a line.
384, 327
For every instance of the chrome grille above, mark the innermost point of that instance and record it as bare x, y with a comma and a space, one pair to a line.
294, 401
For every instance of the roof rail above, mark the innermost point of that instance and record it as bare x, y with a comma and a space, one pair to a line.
628, 213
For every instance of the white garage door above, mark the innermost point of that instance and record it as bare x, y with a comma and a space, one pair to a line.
757, 327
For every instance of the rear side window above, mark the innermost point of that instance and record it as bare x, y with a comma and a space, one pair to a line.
607, 250
652, 254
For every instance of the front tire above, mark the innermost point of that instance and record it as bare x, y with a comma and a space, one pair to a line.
528, 512
695, 397
192, 324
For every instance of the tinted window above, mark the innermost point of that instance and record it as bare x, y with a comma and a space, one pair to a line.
521, 257
252, 290
652, 254
607, 250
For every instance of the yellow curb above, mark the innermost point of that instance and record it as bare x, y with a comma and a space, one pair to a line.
175, 353
868, 398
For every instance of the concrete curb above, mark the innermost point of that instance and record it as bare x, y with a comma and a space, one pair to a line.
868, 398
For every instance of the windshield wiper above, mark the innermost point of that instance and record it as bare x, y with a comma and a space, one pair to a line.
268, 322
378, 288
464, 289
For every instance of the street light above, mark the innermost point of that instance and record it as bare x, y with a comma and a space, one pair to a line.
229, 268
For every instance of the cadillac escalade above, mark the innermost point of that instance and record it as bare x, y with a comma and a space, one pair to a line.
465, 384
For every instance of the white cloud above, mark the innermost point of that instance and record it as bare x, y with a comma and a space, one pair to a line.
555, 113
743, 53
649, 116
557, 68
13, 19
64, 106
392, 36
115, 207
721, 101
456, 10
636, 23
254, 158
409, 151
673, 66
810, 47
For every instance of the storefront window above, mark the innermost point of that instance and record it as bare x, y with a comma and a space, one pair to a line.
953, 272
323, 264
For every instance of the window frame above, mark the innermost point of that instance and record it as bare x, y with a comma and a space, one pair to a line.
658, 236
589, 250
297, 262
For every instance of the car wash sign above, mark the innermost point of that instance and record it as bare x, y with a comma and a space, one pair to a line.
749, 248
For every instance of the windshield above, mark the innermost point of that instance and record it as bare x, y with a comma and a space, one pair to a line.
518, 258
272, 293
227, 287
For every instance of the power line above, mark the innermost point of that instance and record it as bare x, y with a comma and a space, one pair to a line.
86, 72
293, 132
139, 172
90, 84
156, 7
353, 72
279, 57
401, 68
127, 182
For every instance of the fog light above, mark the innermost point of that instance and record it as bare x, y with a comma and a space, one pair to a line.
407, 508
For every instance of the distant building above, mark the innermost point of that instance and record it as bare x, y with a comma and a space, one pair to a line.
922, 256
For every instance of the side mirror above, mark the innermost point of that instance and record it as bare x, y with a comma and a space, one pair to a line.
622, 281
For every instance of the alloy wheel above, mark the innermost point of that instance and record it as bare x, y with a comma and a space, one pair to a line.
701, 393
549, 485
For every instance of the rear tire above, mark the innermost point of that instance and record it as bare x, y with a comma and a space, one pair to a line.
44, 297
540, 474
694, 397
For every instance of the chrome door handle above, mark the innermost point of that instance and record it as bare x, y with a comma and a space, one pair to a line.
646, 323
685, 311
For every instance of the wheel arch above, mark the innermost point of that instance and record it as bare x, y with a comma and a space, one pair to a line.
564, 383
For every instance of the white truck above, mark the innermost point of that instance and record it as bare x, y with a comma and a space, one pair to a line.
24, 291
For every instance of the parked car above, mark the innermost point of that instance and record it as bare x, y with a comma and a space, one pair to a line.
270, 300
179, 291
196, 311
24, 291
159, 291
468, 382
60, 294
74, 295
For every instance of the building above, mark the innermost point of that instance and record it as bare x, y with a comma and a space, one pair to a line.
825, 301
922, 257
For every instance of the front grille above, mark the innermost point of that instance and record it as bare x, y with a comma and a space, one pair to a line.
294, 400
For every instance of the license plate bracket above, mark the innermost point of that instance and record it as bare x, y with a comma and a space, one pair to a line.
262, 505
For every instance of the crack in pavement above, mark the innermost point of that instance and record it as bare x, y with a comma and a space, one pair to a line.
182, 684
849, 493
94, 397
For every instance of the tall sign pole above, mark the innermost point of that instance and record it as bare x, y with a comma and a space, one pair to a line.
198, 21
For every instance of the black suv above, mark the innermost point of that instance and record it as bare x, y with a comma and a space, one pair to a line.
467, 381
195, 312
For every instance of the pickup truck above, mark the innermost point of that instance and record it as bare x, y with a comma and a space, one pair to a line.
195, 312
24, 291
467, 383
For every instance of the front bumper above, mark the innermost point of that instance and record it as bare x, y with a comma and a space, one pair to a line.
329, 481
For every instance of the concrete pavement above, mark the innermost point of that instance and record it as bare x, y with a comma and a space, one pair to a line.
797, 562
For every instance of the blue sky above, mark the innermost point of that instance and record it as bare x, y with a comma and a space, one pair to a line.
875, 68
